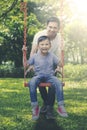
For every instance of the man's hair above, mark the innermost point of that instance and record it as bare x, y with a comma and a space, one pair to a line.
42, 38
54, 19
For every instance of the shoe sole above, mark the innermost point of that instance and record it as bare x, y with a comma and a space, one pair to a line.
61, 114
44, 112
50, 117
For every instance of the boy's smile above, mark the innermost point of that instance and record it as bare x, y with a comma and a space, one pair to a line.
44, 46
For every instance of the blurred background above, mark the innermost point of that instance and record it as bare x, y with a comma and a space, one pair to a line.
73, 17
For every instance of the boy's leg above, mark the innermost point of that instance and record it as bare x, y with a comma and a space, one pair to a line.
59, 94
33, 96
35, 110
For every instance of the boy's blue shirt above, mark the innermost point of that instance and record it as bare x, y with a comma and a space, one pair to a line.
43, 65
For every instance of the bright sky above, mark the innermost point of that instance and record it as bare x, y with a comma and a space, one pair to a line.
81, 5
79, 9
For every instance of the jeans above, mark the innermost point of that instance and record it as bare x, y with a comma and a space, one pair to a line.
34, 82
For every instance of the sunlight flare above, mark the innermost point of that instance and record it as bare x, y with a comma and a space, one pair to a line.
81, 5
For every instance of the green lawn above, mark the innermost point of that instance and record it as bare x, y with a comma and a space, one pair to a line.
15, 108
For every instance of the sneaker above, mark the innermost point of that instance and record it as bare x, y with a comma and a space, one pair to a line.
50, 114
35, 113
43, 109
61, 111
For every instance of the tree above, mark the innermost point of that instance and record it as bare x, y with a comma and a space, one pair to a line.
11, 35
76, 39
6, 8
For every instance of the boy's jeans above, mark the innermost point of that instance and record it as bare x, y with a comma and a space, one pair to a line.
34, 82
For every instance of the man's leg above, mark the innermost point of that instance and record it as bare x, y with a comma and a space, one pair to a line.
51, 96
48, 97
43, 92
51, 101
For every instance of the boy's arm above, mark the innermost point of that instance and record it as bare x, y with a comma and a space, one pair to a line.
27, 66
59, 67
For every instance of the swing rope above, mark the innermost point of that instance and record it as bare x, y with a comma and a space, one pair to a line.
62, 40
24, 10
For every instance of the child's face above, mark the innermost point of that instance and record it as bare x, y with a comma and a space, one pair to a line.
44, 46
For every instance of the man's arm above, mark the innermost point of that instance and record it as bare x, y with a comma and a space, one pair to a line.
34, 45
24, 49
34, 49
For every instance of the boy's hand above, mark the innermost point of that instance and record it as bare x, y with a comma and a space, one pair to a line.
30, 68
58, 70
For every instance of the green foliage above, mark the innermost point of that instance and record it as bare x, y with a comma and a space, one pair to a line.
11, 35
6, 6
8, 70
15, 107
12, 26
75, 72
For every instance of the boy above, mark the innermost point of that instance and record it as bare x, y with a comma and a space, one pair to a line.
44, 62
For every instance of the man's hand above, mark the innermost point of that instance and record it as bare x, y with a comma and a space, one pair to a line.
24, 48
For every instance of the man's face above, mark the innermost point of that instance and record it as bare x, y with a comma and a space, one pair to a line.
52, 29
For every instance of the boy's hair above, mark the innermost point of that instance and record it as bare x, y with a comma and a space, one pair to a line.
42, 38
54, 19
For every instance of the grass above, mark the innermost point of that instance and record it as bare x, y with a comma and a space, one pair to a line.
15, 108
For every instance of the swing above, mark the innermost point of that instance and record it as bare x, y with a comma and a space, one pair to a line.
42, 84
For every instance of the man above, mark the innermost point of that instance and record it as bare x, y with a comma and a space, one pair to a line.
52, 31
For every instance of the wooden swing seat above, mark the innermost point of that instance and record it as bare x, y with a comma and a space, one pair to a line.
43, 84
40, 85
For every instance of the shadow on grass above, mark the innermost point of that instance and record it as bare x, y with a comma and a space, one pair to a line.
44, 124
